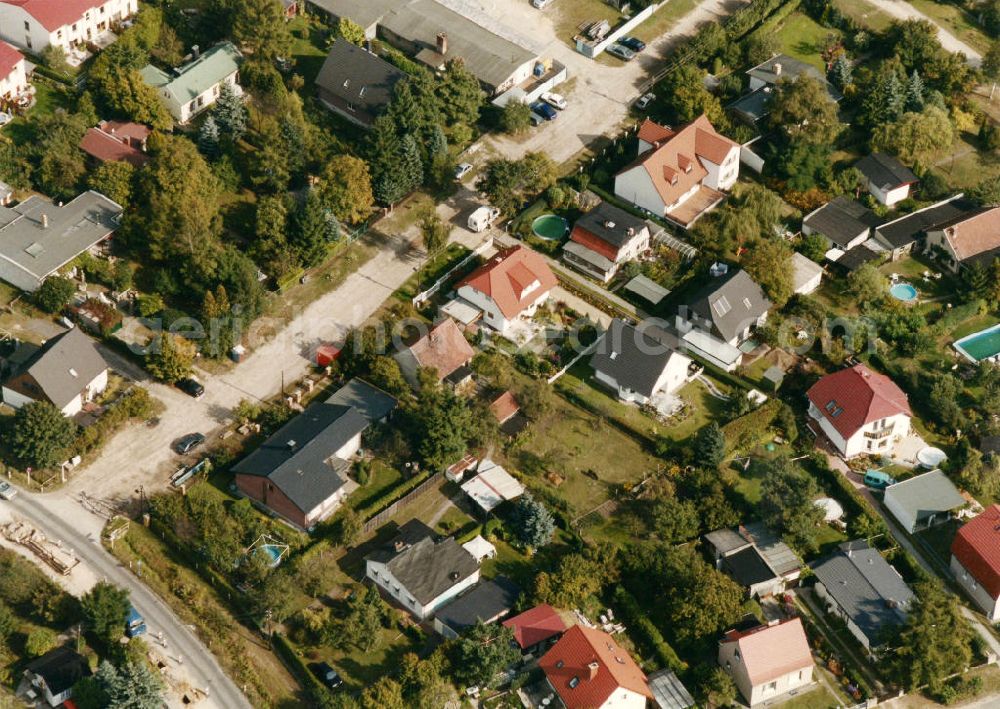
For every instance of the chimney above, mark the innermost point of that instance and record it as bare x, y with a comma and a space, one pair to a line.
777, 68
195, 51
442, 43
592, 670
45, 221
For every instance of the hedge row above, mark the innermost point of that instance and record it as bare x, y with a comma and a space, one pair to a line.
392, 495
651, 635
752, 425
771, 23
298, 667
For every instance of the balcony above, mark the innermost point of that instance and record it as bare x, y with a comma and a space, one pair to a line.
880, 433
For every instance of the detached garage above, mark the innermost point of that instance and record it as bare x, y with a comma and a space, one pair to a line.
923, 500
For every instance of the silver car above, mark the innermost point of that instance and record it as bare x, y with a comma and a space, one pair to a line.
621, 51
7, 491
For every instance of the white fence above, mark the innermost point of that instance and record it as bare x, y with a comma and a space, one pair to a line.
419, 298
592, 49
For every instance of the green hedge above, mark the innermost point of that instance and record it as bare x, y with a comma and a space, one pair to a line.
298, 668
753, 424
772, 22
48, 73
955, 316
650, 634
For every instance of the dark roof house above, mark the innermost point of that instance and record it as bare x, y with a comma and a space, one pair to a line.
300, 472
420, 572
486, 603
55, 673
635, 360
903, 232
59, 372
864, 589
604, 238
843, 221
888, 179
356, 83
728, 306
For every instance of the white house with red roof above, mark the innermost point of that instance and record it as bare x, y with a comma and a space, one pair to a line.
511, 285
36, 24
975, 560
768, 660
860, 411
13, 75
589, 670
680, 175
967, 239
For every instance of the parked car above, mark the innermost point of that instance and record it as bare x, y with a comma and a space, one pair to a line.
544, 110
134, 623
541, 4
644, 101
326, 674
462, 170
482, 217
188, 443
191, 387
878, 480
636, 45
621, 51
554, 99
536, 120
7, 491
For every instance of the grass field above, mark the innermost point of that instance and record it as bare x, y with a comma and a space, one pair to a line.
864, 13
804, 39
955, 21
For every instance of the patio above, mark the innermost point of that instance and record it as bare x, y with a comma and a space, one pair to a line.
905, 451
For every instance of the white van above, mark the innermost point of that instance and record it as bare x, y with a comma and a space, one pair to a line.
481, 219
541, 4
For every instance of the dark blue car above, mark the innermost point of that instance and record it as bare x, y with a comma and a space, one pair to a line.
544, 110
636, 45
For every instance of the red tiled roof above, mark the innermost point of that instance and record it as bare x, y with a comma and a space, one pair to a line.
444, 348
594, 243
978, 234
772, 651
126, 129
535, 625
860, 395
53, 14
507, 277
977, 547
587, 666
504, 406
106, 147
672, 166
653, 132
9, 58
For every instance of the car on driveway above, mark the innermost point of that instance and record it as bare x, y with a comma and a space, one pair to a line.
554, 99
643, 102
326, 674
7, 491
462, 170
878, 480
191, 387
544, 110
621, 51
636, 45
188, 443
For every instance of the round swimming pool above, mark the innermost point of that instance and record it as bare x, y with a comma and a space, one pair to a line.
904, 292
550, 227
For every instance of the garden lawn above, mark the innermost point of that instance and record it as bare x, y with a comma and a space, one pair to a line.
817, 698
307, 51
438, 265
361, 668
802, 38
864, 13
569, 15
383, 477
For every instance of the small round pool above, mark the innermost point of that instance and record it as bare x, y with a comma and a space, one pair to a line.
550, 227
904, 292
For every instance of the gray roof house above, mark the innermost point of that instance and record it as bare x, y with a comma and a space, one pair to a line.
901, 234
888, 179
728, 307
355, 83
300, 472
55, 673
753, 106
923, 500
639, 362
67, 371
858, 585
38, 237
366, 13
486, 603
419, 572
434, 33
755, 557
844, 222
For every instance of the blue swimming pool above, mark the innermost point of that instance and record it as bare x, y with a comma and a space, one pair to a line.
980, 346
904, 292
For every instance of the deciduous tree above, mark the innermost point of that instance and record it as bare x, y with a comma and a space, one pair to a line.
786, 503
769, 263
170, 357
55, 294
915, 135
803, 111
42, 436
115, 180
345, 188
105, 608
259, 26
482, 653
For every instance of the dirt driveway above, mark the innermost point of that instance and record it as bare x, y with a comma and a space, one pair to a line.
599, 96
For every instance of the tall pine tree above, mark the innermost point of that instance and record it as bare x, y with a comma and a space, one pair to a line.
842, 72
309, 232
915, 93
208, 138
230, 113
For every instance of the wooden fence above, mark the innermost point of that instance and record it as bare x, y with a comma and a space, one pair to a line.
379, 518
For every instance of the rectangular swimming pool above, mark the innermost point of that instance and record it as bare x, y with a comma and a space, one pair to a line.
980, 346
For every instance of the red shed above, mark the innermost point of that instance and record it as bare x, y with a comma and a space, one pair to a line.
326, 355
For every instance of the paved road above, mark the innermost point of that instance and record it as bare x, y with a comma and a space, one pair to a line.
902, 10
197, 661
